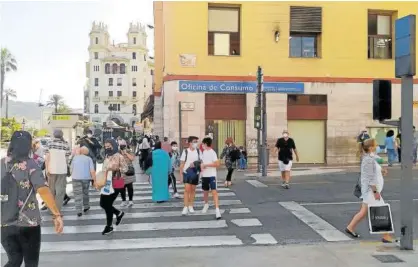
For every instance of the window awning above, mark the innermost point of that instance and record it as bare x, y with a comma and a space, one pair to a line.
148, 111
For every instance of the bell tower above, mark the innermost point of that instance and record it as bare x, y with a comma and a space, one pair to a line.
99, 36
137, 35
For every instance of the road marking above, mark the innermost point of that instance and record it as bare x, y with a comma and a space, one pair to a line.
139, 198
93, 192
136, 227
141, 243
246, 222
256, 183
343, 203
263, 239
303, 183
323, 228
148, 205
157, 214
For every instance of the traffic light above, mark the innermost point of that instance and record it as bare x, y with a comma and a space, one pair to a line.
382, 100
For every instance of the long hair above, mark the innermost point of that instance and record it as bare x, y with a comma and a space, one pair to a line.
20, 146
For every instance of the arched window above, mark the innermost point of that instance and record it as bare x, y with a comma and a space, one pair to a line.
96, 108
122, 68
134, 109
114, 68
107, 68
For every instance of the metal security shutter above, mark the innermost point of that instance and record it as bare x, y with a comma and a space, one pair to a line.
306, 19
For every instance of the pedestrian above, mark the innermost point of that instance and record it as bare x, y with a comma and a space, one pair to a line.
285, 148
231, 155
189, 172
21, 180
114, 165
144, 147
209, 164
129, 177
57, 157
399, 145
166, 146
93, 145
371, 182
82, 172
391, 147
243, 158
161, 167
174, 155
414, 145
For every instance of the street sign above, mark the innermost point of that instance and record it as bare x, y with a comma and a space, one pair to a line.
187, 106
405, 40
257, 117
60, 117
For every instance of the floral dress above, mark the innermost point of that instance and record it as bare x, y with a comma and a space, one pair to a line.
30, 178
226, 152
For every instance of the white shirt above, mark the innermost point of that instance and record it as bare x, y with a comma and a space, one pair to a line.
57, 161
209, 157
192, 156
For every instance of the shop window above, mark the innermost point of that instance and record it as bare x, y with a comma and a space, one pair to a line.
313, 100
305, 31
224, 31
379, 36
379, 134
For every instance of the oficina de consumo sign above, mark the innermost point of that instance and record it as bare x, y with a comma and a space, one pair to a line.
239, 87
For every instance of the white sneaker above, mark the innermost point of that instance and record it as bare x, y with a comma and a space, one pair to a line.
191, 210
218, 214
124, 204
176, 195
205, 208
185, 211
130, 204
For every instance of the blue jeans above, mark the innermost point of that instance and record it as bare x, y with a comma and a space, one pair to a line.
391, 156
242, 163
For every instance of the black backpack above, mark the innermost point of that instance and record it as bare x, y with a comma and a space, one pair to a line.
10, 197
235, 154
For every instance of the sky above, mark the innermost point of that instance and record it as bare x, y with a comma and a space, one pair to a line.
50, 42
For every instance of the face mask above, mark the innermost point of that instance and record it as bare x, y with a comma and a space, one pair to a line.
194, 145
285, 135
89, 135
174, 148
108, 150
122, 147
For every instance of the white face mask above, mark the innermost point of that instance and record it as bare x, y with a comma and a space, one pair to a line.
194, 145
89, 135
285, 135
174, 148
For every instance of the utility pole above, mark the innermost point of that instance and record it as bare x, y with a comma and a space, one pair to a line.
180, 126
264, 136
405, 68
257, 117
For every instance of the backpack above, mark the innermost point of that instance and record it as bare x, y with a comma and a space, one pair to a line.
10, 197
235, 154
198, 154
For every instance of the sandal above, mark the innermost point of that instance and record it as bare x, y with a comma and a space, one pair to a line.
385, 241
352, 234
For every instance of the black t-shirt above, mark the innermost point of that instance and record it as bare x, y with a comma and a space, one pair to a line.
286, 148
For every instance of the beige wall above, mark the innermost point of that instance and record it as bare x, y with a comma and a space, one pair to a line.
349, 111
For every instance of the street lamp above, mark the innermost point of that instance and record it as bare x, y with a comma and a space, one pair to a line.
23, 124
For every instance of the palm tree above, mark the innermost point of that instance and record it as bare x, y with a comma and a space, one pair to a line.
9, 93
7, 63
55, 101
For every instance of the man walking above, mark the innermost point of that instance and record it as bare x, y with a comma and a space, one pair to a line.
166, 146
93, 146
57, 154
285, 147
189, 172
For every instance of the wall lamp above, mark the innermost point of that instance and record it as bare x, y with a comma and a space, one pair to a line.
276, 36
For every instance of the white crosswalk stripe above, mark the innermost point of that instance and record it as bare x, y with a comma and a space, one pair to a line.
156, 225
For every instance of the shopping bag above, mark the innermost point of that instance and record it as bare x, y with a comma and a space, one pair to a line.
100, 179
380, 219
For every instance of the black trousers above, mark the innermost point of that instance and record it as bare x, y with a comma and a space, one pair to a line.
130, 188
172, 181
106, 202
21, 244
229, 174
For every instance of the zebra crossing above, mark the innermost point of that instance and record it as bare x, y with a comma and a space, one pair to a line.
156, 225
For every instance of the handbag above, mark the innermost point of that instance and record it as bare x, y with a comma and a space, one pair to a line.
117, 181
380, 219
357, 188
131, 171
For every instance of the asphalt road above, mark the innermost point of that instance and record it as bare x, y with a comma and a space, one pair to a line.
266, 215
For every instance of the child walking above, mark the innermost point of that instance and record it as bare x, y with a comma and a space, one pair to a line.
174, 154
209, 164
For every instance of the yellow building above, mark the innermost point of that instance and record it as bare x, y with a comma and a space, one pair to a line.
318, 59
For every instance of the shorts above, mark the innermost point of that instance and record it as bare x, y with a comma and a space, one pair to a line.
209, 183
190, 177
285, 167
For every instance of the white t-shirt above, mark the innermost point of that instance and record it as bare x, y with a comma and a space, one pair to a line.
192, 156
208, 157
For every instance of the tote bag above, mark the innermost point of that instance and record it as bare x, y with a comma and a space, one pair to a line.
108, 188
380, 219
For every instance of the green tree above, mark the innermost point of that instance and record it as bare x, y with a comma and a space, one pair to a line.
41, 133
9, 93
63, 108
7, 63
8, 127
55, 101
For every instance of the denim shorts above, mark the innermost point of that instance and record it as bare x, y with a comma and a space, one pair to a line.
190, 177
209, 183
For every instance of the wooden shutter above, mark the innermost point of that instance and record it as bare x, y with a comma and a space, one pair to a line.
306, 19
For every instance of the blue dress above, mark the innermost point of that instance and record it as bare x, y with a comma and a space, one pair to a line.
161, 167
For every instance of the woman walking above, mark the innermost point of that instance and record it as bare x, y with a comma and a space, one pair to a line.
129, 177
21, 180
391, 147
371, 182
231, 155
161, 167
113, 166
